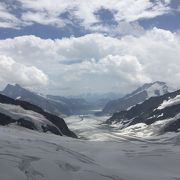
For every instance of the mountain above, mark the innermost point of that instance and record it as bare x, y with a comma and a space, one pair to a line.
30, 116
139, 95
57, 105
91, 97
76, 105
18, 92
155, 109
98, 100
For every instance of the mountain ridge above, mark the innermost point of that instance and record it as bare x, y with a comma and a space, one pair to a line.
18, 92
151, 111
20, 112
137, 96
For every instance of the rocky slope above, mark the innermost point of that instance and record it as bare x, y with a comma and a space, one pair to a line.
161, 108
75, 105
137, 96
30, 116
18, 92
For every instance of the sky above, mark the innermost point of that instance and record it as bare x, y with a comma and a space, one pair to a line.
70, 47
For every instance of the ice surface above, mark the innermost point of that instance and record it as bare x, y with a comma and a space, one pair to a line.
106, 154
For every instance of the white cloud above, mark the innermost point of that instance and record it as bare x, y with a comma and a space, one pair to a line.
43, 18
48, 12
7, 19
13, 72
98, 62
123, 11
121, 29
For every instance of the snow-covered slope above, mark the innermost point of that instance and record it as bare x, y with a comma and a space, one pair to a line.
30, 116
93, 128
170, 102
161, 108
138, 96
25, 154
152, 89
104, 152
16, 112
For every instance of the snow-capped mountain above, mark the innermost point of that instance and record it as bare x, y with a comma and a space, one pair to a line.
30, 116
139, 95
165, 108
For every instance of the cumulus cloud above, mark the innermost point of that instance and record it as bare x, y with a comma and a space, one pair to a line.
100, 62
13, 72
79, 11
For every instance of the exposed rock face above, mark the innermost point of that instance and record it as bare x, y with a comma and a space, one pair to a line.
165, 107
5, 120
31, 116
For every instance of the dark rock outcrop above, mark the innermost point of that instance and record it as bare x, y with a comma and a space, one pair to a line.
59, 127
5, 120
148, 113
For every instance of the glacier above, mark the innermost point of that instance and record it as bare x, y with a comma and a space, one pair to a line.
101, 152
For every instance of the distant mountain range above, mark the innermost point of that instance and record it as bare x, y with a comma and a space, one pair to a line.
138, 96
161, 108
75, 105
58, 105
54, 104
148, 104
98, 100
25, 114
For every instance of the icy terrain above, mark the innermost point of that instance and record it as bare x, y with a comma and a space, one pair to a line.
106, 154
170, 102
